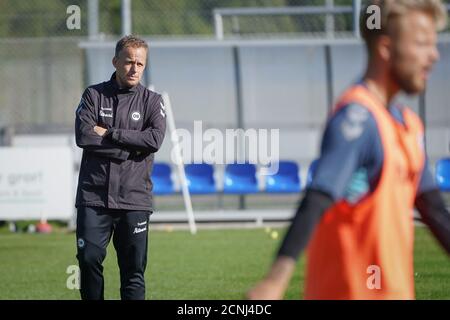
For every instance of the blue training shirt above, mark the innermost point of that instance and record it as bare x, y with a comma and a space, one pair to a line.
352, 155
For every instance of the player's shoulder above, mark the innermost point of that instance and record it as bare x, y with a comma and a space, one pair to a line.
148, 93
354, 113
351, 122
96, 89
150, 98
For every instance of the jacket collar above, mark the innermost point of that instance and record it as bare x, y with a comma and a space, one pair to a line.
116, 88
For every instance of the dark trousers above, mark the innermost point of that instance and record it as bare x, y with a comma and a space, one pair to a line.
129, 230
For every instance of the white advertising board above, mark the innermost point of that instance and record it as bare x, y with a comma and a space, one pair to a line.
36, 182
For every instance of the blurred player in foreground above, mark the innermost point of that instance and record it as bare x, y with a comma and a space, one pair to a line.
357, 215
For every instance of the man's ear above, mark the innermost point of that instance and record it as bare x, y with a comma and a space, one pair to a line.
384, 47
114, 61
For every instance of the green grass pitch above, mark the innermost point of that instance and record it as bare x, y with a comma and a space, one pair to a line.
214, 264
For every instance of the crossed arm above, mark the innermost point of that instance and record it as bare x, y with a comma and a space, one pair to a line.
115, 143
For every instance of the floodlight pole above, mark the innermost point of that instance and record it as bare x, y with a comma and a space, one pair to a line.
356, 17
126, 17
93, 19
329, 21
218, 25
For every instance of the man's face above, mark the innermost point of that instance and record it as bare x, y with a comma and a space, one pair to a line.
130, 65
413, 51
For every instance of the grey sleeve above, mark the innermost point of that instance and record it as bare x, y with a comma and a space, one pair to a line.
347, 145
85, 136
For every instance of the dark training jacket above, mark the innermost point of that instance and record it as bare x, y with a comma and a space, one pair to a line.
115, 169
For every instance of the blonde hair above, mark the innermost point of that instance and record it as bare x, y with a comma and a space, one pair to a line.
392, 9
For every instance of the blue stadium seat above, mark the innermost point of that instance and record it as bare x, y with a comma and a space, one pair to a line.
200, 178
443, 174
286, 180
240, 179
161, 178
311, 172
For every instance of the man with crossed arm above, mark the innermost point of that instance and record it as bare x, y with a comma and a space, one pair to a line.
120, 125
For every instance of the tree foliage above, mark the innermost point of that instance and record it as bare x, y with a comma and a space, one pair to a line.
43, 18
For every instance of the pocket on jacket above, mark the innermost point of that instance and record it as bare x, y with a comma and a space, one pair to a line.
94, 173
